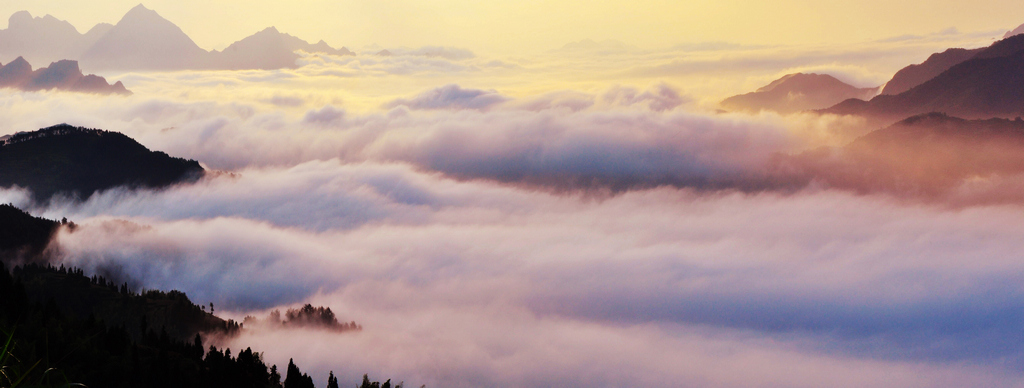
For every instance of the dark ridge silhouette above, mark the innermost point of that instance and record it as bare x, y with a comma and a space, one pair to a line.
77, 162
914, 75
143, 40
923, 156
24, 238
987, 85
798, 92
79, 296
88, 331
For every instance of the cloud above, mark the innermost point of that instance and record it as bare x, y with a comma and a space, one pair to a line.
451, 53
451, 97
624, 143
489, 277
567, 99
459, 239
615, 151
316, 195
659, 98
286, 101
591, 47
325, 116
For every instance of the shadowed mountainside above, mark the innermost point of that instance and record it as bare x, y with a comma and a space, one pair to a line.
798, 92
913, 75
23, 238
64, 328
143, 40
77, 162
61, 75
987, 85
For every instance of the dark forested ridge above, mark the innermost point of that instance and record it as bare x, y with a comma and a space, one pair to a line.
23, 238
63, 326
77, 162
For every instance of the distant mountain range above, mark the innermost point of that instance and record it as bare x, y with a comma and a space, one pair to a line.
798, 92
60, 75
988, 84
972, 83
143, 40
77, 162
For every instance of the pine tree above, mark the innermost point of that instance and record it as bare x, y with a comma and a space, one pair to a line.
332, 382
275, 378
294, 378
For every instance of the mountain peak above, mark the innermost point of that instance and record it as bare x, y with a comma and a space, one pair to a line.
799, 80
798, 92
19, 18
140, 12
143, 39
20, 61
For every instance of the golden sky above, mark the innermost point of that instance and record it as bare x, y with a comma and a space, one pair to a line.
508, 27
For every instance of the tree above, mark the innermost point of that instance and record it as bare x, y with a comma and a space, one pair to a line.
275, 378
332, 382
294, 378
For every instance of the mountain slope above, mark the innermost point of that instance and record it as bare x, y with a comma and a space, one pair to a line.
269, 49
39, 39
798, 92
78, 162
143, 40
987, 85
914, 75
22, 236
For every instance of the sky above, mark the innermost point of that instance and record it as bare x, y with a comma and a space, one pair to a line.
496, 209
511, 28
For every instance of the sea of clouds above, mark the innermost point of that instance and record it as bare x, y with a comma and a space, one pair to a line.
611, 236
